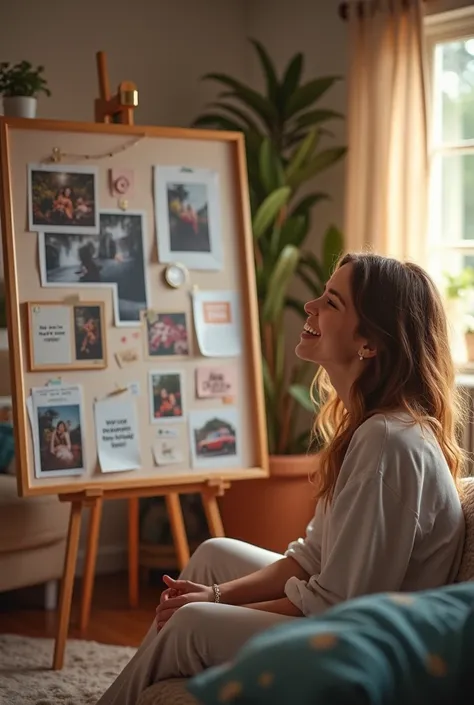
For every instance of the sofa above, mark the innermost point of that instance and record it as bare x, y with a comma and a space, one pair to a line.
174, 692
33, 532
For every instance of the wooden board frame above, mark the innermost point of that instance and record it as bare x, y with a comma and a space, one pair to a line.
75, 364
247, 290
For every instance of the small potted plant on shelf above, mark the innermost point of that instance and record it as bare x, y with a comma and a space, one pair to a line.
19, 86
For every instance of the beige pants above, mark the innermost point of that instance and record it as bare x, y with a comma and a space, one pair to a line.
200, 634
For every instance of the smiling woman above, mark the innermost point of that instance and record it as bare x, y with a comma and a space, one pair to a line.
388, 515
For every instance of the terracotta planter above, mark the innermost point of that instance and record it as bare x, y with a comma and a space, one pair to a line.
272, 512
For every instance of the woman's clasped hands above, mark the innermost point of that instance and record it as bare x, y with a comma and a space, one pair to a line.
178, 594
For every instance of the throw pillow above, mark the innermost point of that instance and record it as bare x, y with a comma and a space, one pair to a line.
387, 649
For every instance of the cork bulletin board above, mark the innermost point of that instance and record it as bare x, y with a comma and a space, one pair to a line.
131, 306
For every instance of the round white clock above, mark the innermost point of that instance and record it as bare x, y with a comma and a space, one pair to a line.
176, 275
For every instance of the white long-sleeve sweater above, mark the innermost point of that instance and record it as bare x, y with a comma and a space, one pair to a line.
395, 522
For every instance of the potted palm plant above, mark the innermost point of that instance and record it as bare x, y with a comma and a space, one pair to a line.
19, 85
284, 135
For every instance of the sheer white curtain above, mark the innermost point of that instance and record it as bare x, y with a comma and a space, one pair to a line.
387, 163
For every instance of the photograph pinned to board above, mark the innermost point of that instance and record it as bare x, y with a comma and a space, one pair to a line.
66, 336
216, 381
167, 451
217, 322
63, 199
89, 339
166, 391
166, 334
116, 258
57, 422
214, 437
117, 438
188, 217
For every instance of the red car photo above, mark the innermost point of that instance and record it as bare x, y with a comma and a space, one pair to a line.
218, 442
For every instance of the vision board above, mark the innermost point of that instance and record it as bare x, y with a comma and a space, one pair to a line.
132, 311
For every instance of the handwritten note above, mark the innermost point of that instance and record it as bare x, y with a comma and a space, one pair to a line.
51, 335
117, 435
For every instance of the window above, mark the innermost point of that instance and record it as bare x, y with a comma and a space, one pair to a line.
451, 199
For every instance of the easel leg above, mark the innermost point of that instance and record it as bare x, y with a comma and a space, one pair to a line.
213, 515
89, 567
67, 584
133, 541
178, 531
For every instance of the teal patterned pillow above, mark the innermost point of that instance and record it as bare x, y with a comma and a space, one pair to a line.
387, 649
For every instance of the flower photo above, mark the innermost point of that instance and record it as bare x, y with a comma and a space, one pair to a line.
166, 334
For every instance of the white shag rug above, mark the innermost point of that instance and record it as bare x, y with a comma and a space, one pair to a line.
26, 677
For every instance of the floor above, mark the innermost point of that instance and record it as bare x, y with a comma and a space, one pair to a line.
111, 622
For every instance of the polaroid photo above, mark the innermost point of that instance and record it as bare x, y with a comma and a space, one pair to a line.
58, 431
215, 438
166, 391
166, 334
63, 199
188, 217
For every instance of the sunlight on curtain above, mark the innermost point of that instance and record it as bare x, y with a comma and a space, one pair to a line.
387, 166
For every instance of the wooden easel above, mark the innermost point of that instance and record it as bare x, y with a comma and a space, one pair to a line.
117, 108
109, 108
94, 499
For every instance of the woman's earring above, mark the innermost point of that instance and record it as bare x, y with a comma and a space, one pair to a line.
361, 357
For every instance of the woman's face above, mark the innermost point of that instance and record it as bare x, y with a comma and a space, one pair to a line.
60, 427
67, 192
330, 336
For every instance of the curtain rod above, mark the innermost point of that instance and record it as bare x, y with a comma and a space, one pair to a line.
361, 7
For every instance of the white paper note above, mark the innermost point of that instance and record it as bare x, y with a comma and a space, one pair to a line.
51, 335
217, 323
117, 435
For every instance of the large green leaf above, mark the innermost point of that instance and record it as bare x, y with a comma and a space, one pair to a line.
269, 210
280, 349
290, 81
216, 120
268, 68
321, 161
270, 397
294, 230
271, 170
296, 306
306, 203
315, 117
310, 262
308, 94
301, 394
333, 245
315, 288
278, 283
237, 112
302, 154
252, 99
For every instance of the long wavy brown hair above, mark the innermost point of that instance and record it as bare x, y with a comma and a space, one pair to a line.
401, 312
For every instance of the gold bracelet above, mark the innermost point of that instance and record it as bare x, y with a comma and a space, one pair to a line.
217, 593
